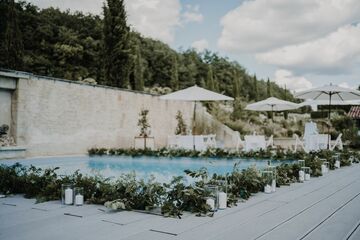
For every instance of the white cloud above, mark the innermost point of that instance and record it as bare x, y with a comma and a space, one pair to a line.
154, 18
287, 78
192, 14
338, 52
261, 25
200, 45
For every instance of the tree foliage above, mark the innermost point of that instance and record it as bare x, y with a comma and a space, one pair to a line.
117, 58
76, 46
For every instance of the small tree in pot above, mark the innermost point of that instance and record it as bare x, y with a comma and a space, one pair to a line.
144, 125
181, 127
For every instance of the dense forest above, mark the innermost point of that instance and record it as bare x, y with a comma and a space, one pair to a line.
76, 46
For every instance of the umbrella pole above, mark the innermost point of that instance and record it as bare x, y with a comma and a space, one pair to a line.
329, 118
194, 119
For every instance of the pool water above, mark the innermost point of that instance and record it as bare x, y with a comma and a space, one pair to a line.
162, 168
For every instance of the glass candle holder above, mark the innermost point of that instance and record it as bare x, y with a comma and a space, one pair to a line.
67, 194
268, 176
222, 195
306, 171
211, 196
273, 181
78, 196
324, 167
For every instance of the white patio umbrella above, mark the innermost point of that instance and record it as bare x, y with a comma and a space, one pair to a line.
272, 104
195, 94
315, 103
329, 93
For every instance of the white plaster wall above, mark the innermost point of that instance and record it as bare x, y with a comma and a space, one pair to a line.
61, 118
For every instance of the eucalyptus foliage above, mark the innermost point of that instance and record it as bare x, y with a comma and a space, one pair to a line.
128, 192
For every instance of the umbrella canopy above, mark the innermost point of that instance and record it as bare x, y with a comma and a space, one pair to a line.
329, 93
272, 104
336, 93
326, 102
196, 93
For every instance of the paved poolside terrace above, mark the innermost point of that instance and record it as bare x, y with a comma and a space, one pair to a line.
327, 207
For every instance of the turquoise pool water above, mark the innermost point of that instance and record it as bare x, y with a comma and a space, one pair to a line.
161, 167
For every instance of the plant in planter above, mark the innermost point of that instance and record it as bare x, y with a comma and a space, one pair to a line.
181, 127
144, 125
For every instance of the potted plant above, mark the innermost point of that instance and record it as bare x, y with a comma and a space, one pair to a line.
144, 126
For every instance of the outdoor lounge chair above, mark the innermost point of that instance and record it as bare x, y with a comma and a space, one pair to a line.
338, 143
202, 142
257, 142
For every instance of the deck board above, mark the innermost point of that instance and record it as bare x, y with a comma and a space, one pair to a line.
327, 207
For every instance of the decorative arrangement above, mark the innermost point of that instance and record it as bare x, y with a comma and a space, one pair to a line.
324, 166
301, 164
222, 194
79, 196
67, 194
212, 197
268, 177
306, 171
273, 182
127, 192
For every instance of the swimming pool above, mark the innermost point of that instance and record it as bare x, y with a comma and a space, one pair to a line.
162, 168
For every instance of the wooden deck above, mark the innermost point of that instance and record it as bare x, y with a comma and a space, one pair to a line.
323, 208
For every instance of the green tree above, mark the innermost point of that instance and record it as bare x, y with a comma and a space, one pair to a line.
138, 71
236, 87
13, 40
174, 81
268, 88
117, 59
255, 93
210, 83
181, 127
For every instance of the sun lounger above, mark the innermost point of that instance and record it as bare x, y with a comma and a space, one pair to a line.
202, 142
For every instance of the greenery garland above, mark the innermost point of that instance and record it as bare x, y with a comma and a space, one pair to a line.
127, 192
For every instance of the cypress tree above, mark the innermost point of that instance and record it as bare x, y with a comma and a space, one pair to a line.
138, 70
174, 81
117, 56
210, 84
236, 87
268, 88
256, 95
13, 41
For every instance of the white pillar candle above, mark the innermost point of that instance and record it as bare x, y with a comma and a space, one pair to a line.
337, 164
267, 188
323, 169
301, 176
68, 196
222, 200
273, 185
307, 176
211, 203
79, 200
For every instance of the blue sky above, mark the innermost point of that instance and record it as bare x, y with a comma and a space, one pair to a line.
297, 43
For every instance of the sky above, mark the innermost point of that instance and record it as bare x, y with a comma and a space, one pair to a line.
296, 43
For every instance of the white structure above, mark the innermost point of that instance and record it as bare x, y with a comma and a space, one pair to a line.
257, 142
202, 142
313, 141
